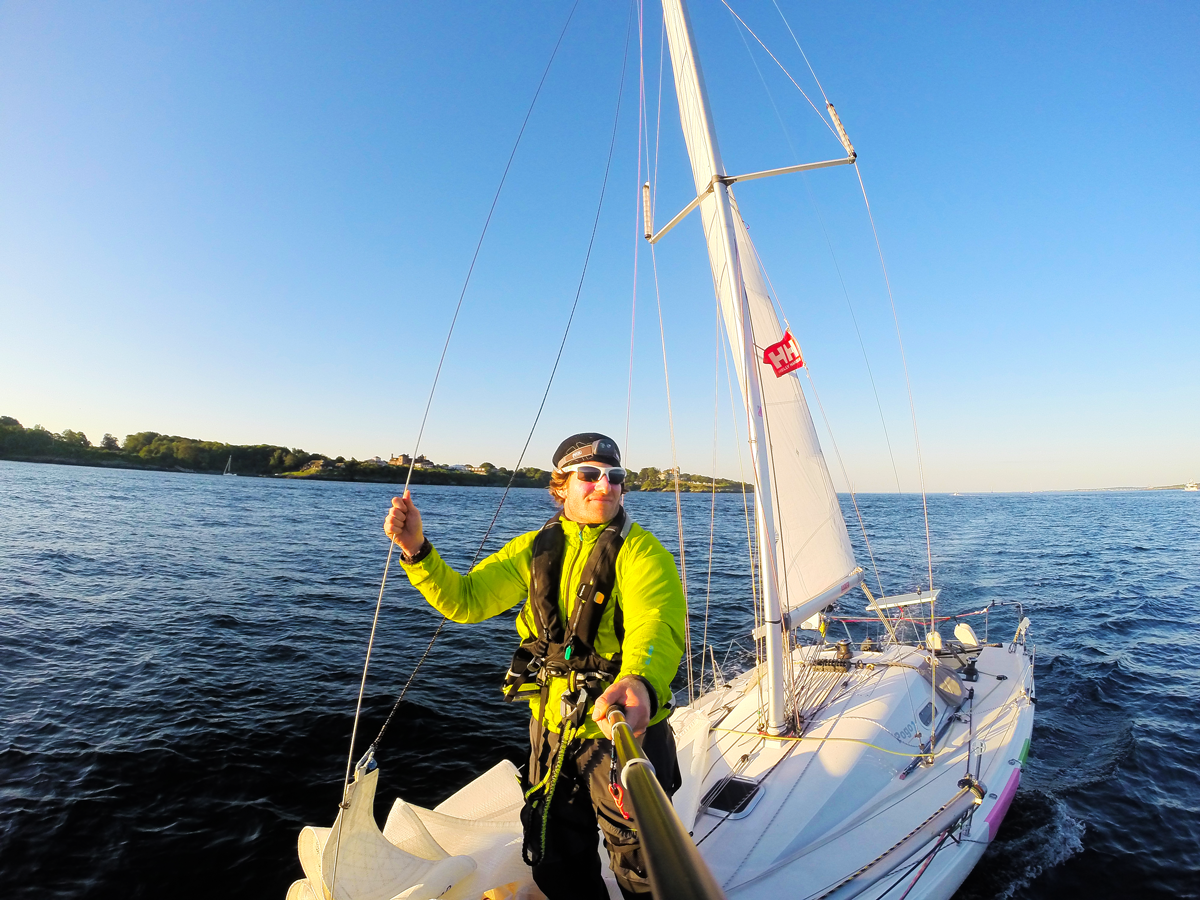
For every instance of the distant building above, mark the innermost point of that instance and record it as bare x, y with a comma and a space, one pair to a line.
459, 467
402, 460
423, 463
480, 470
375, 462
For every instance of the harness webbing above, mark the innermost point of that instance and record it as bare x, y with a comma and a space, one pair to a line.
555, 649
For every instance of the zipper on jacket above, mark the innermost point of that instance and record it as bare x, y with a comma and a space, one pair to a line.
570, 580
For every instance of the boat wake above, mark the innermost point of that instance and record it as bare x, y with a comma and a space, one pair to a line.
1039, 834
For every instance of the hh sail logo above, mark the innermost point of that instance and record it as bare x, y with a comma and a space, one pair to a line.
784, 357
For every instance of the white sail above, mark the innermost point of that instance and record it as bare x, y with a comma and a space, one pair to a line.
813, 559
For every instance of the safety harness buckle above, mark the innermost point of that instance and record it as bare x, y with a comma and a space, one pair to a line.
577, 702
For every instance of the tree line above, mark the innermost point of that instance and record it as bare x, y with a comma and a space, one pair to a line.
151, 450
146, 449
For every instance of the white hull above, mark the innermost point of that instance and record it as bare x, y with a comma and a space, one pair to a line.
834, 801
829, 804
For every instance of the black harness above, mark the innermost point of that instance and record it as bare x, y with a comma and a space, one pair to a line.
558, 650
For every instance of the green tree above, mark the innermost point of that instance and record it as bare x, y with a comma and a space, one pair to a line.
136, 443
108, 442
74, 438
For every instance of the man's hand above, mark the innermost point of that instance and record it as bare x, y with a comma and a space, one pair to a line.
403, 525
629, 692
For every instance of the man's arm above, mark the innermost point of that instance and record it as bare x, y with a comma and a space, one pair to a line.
498, 583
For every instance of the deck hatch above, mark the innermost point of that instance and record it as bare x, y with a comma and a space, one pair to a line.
732, 799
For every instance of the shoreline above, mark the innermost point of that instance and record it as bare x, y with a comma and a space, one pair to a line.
363, 474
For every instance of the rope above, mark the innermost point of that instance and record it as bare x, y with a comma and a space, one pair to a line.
549, 782
541, 407
908, 753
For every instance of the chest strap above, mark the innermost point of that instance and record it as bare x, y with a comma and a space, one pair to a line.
555, 648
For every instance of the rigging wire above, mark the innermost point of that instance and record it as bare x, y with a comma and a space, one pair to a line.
667, 379
637, 213
781, 583
828, 243
433, 388
549, 382
828, 427
712, 511
541, 407
882, 263
420, 433
916, 434
907, 382
787, 24
849, 306
754, 591
783, 69
675, 464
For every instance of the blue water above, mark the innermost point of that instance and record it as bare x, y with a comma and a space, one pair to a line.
180, 656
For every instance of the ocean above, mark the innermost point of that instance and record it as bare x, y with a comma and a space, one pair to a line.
180, 656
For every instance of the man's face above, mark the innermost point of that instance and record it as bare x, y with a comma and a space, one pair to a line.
591, 503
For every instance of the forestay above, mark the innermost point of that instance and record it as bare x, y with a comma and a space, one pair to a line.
813, 556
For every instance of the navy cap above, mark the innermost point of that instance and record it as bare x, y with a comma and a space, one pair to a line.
588, 446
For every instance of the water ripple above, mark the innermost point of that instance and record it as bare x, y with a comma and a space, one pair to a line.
182, 653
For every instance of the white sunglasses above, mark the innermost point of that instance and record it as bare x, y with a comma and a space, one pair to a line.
591, 473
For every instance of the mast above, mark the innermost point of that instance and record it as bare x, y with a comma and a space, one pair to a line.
717, 211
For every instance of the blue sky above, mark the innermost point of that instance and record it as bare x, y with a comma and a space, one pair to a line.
251, 222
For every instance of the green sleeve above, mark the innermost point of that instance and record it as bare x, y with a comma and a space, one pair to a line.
654, 612
498, 583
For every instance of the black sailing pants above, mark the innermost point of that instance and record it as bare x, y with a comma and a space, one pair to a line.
569, 868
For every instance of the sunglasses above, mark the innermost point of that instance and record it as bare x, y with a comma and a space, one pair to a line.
592, 474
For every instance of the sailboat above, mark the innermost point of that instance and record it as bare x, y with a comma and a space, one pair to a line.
832, 769
229, 467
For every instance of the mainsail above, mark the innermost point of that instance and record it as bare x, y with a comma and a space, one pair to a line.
812, 561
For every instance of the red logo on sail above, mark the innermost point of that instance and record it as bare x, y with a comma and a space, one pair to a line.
784, 357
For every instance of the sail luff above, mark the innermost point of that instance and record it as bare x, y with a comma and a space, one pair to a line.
718, 218
815, 550
806, 556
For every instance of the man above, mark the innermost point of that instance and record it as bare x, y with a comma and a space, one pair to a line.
602, 626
